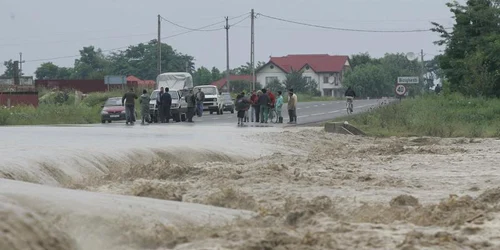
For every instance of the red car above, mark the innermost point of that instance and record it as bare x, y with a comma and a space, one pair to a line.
113, 110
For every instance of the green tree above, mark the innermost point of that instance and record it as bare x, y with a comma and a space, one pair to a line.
216, 75
362, 58
202, 76
378, 77
91, 65
247, 68
296, 81
140, 60
47, 70
471, 57
275, 86
9, 69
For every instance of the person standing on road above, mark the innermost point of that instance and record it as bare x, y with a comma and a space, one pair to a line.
279, 106
200, 97
242, 105
166, 103
253, 111
160, 115
191, 104
144, 101
292, 106
257, 107
128, 100
264, 103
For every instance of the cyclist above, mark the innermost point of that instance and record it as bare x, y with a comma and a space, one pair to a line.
350, 94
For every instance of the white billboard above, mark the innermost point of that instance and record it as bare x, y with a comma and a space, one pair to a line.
408, 80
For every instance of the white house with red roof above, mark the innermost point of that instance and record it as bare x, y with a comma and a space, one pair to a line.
327, 70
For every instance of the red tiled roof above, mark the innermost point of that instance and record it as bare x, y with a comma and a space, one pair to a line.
139, 81
221, 82
318, 63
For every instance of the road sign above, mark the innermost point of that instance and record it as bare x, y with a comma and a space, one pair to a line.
408, 80
401, 89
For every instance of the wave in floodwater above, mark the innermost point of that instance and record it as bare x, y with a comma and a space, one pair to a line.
86, 169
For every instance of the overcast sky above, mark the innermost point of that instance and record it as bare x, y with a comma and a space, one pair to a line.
58, 28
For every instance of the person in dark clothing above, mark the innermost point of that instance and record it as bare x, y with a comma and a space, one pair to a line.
191, 104
256, 105
160, 114
128, 100
254, 98
350, 93
166, 103
264, 102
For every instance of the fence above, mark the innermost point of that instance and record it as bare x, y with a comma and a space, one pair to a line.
19, 98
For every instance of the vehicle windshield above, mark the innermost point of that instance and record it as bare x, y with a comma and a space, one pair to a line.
154, 95
227, 98
207, 90
113, 102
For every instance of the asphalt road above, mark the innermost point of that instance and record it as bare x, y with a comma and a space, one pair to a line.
307, 112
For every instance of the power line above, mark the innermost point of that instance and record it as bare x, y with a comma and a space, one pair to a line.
124, 47
344, 29
89, 39
200, 29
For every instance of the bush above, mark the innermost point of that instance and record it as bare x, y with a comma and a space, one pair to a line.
431, 115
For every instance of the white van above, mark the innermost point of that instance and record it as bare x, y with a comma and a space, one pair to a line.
213, 100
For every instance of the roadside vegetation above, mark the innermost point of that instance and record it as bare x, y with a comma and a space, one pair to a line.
432, 115
58, 108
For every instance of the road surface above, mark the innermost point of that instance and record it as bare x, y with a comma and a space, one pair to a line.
307, 112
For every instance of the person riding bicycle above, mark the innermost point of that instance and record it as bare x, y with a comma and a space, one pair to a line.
350, 94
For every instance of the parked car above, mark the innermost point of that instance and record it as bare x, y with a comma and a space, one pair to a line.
227, 102
113, 110
178, 109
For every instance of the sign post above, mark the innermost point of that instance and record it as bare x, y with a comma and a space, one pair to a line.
401, 88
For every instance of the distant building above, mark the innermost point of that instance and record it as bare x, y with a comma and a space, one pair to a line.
221, 83
327, 70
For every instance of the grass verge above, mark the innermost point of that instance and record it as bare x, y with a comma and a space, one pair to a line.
431, 115
57, 108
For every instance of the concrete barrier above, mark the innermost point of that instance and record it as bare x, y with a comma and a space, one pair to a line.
342, 128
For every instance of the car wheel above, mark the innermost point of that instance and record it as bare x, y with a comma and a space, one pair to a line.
211, 112
109, 121
103, 121
232, 111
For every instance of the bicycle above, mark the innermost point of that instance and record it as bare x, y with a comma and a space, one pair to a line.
273, 115
350, 106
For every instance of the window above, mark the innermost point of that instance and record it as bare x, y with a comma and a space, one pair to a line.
325, 79
308, 78
270, 79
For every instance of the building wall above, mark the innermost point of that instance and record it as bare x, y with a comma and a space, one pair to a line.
270, 71
19, 98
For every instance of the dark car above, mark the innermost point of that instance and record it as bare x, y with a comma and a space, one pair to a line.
227, 102
113, 110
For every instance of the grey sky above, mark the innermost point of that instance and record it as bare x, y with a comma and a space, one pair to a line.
56, 28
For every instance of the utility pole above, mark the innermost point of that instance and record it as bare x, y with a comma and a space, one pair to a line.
187, 67
20, 63
423, 68
16, 73
252, 49
159, 46
227, 56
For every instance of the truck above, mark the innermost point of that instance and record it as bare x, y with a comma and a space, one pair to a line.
213, 100
179, 84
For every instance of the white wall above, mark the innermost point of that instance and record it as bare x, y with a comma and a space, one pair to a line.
268, 71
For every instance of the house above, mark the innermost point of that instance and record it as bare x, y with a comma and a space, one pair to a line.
221, 83
134, 81
326, 70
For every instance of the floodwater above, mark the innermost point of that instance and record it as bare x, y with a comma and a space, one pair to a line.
224, 187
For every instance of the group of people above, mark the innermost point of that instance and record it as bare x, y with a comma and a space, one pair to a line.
261, 103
